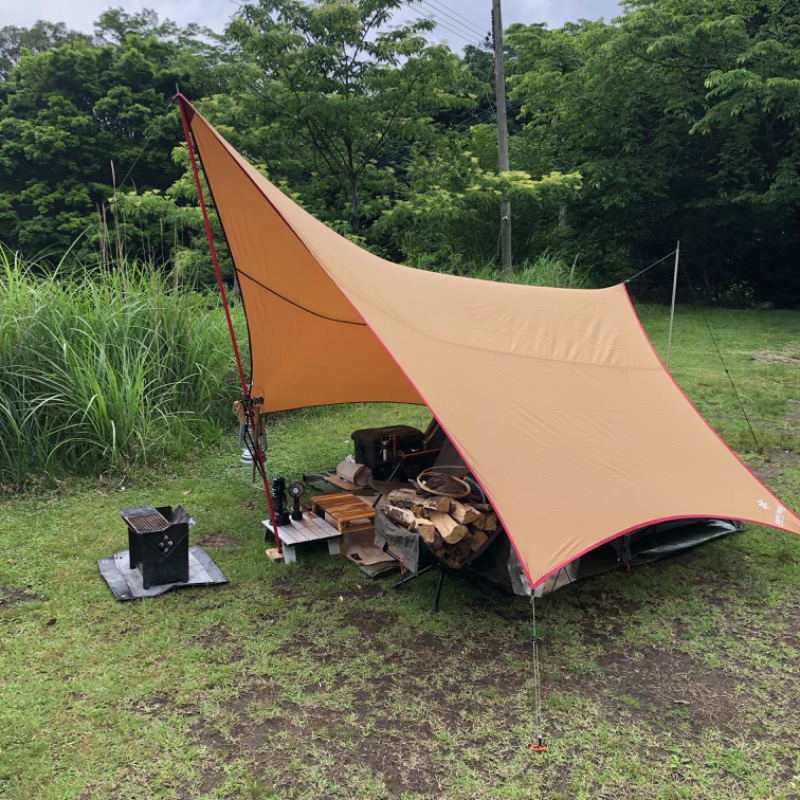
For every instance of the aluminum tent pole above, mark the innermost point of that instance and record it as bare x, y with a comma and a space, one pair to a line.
674, 293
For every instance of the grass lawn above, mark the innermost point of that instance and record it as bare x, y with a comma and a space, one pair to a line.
677, 680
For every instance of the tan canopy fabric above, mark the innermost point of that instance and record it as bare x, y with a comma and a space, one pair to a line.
554, 397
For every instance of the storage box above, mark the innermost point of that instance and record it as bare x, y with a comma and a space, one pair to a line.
381, 448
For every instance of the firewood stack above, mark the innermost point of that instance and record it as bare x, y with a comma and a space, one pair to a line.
452, 529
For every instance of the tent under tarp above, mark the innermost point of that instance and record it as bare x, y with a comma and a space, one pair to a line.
555, 398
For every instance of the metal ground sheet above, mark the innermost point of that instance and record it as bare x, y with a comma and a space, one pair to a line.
126, 583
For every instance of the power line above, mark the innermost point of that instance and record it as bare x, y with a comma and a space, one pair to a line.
465, 32
475, 26
436, 7
482, 116
439, 24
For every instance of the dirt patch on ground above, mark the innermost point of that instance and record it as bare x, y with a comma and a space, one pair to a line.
245, 731
396, 751
11, 597
221, 647
218, 539
666, 685
370, 589
283, 587
370, 623
422, 691
396, 706
788, 355
775, 464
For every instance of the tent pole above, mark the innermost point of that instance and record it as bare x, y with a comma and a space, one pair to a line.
674, 293
245, 388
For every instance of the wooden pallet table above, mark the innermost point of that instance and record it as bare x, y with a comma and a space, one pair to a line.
310, 528
348, 513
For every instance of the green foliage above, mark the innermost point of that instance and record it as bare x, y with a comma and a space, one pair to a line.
349, 94
449, 212
683, 120
161, 229
79, 120
547, 269
116, 25
552, 269
42, 35
104, 371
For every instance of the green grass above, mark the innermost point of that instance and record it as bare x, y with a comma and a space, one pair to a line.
104, 372
677, 680
737, 363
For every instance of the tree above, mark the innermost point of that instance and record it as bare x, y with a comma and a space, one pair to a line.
446, 217
683, 121
344, 91
39, 37
80, 121
114, 25
752, 114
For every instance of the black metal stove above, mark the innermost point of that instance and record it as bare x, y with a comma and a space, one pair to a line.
158, 543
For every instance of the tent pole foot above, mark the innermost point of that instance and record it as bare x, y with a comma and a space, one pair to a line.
438, 589
411, 577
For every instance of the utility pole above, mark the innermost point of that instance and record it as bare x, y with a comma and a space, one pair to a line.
502, 130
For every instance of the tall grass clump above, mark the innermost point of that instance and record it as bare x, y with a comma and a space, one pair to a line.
551, 269
547, 269
100, 372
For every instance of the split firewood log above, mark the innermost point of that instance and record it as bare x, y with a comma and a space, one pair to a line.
402, 515
457, 554
408, 498
432, 537
427, 530
406, 518
463, 513
478, 540
480, 521
463, 549
451, 531
490, 523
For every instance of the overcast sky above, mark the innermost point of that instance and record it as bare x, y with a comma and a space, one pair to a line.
459, 22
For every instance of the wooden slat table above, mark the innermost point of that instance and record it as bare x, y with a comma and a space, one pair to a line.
348, 513
310, 528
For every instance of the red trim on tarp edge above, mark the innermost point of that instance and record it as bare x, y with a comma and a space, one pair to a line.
183, 104
433, 412
710, 427
638, 526
182, 101
680, 516
391, 356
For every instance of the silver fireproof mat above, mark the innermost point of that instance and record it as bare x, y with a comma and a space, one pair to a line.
126, 583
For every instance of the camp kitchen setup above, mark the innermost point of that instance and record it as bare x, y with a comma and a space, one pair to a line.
560, 444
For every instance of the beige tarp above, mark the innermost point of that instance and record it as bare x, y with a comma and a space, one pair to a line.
554, 397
